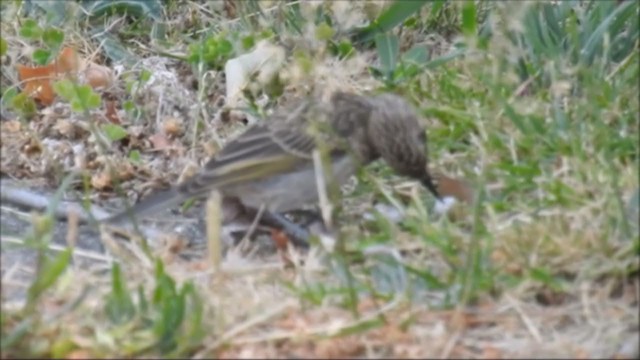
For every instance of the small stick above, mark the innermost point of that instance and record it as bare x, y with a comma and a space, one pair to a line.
214, 229
325, 205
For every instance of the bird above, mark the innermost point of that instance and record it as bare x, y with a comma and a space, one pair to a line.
270, 165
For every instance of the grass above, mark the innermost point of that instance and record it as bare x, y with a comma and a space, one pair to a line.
537, 111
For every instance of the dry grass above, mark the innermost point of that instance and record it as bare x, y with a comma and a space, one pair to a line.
543, 263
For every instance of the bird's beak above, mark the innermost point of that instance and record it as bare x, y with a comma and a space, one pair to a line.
427, 181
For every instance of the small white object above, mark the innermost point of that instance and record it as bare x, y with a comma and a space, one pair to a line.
328, 242
265, 61
443, 206
388, 211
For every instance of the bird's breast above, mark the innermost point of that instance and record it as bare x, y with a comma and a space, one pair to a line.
291, 190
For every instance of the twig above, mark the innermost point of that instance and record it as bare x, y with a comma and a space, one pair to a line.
7, 275
84, 253
214, 229
448, 347
242, 327
533, 330
244, 243
25, 198
324, 330
323, 198
72, 230
251, 270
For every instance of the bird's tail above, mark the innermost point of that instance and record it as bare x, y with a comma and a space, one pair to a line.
162, 200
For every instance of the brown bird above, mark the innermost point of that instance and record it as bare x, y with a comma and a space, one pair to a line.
271, 164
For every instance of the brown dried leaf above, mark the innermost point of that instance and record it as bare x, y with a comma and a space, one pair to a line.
98, 76
339, 348
160, 141
490, 352
32, 147
65, 128
37, 80
172, 126
101, 180
111, 112
125, 170
11, 126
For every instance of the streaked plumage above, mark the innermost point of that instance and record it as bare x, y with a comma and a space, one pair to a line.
271, 162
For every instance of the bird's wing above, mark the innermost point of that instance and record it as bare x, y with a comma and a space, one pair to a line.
278, 145
262, 150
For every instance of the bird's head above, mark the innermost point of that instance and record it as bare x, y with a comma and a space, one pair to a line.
399, 139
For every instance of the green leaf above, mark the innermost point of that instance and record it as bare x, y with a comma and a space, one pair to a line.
138, 8
388, 47
41, 56
57, 196
546, 277
30, 30
436, 5
194, 318
114, 132
248, 42
303, 60
171, 306
22, 103
145, 76
49, 272
597, 37
342, 50
62, 347
134, 156
433, 63
377, 73
65, 89
17, 332
3, 46
53, 38
128, 106
396, 14
119, 306
84, 98
324, 32
224, 47
159, 31
8, 95
416, 55
114, 49
143, 304
516, 118
469, 18
56, 11
430, 279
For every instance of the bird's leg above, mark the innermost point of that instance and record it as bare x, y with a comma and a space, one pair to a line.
298, 235
306, 217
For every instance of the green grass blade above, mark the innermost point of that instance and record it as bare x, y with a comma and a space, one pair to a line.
469, 22
595, 40
388, 48
49, 273
398, 12
151, 8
